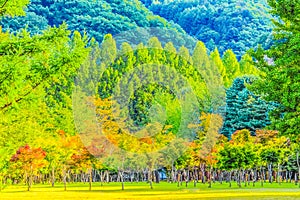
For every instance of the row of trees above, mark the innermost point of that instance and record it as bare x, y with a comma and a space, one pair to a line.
245, 159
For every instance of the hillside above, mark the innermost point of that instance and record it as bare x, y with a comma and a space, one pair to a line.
96, 18
227, 24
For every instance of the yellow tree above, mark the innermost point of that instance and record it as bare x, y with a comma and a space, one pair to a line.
207, 136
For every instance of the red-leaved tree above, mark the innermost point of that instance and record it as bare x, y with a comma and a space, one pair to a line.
29, 160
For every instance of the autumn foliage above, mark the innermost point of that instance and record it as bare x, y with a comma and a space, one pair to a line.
31, 159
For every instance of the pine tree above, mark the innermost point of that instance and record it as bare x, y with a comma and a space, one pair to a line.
244, 110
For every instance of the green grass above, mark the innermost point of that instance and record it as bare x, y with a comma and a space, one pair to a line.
160, 191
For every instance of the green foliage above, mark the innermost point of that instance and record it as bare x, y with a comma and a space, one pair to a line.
280, 81
226, 24
233, 157
36, 83
153, 67
244, 110
38, 61
232, 67
96, 18
12, 7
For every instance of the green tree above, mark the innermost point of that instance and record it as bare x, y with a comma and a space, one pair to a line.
247, 65
217, 61
280, 66
12, 7
201, 61
232, 66
38, 61
244, 110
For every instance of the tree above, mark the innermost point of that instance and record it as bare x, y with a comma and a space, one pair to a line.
216, 60
201, 61
247, 66
38, 61
12, 7
237, 155
30, 160
202, 148
280, 81
82, 160
244, 110
232, 66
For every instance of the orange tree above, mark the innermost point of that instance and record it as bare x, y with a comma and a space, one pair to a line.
203, 147
29, 161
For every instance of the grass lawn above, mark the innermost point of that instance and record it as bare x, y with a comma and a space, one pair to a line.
160, 191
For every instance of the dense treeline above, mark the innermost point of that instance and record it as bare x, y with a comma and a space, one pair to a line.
39, 142
96, 18
237, 25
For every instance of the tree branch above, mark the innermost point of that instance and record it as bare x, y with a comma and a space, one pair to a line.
4, 4
26, 94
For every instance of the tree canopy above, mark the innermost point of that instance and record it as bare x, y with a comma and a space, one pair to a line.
280, 67
224, 24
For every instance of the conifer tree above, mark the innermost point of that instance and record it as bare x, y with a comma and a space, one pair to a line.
217, 61
201, 61
244, 110
231, 65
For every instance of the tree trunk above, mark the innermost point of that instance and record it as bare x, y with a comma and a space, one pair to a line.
178, 177
101, 174
157, 179
150, 178
254, 176
270, 173
290, 176
202, 167
279, 174
262, 176
221, 176
95, 175
52, 176
29, 182
195, 177
187, 177
239, 178
90, 179
65, 179
229, 178
107, 176
298, 163
173, 174
121, 179
209, 177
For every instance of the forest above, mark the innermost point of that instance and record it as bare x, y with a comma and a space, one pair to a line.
227, 24
109, 91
